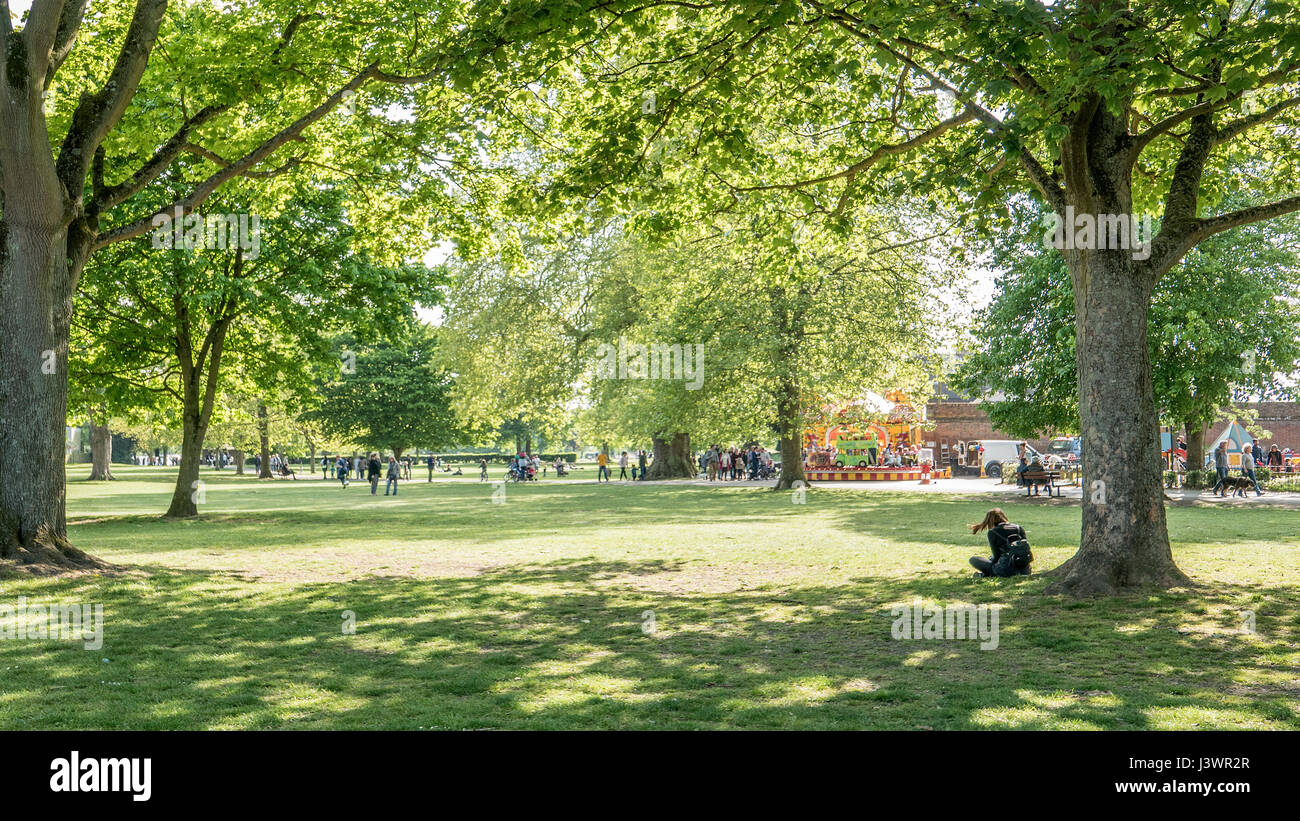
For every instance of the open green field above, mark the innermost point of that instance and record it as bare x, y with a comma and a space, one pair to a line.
530, 614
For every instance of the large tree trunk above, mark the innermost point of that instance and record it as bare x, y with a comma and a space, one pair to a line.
1195, 431
239, 462
790, 430
789, 408
35, 290
1125, 540
198, 395
672, 458
189, 490
264, 442
1124, 543
101, 451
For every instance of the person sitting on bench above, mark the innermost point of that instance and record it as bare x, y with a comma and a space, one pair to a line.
1036, 469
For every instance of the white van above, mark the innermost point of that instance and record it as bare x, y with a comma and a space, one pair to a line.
1000, 452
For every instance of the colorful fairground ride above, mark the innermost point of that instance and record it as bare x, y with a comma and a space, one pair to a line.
871, 438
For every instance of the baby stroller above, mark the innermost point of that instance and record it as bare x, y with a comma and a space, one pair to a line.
561, 468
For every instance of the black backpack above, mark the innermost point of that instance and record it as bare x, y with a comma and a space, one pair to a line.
1017, 557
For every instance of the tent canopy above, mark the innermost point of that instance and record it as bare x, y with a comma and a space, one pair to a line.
1237, 437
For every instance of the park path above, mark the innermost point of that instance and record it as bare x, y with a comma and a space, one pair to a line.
957, 486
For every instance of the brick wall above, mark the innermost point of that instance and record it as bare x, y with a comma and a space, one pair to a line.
1281, 419
964, 421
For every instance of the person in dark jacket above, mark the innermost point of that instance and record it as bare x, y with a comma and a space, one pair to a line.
1220, 467
1011, 555
372, 473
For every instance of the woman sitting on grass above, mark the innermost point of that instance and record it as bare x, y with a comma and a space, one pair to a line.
1011, 555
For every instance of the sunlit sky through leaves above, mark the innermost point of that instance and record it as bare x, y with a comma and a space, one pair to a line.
981, 292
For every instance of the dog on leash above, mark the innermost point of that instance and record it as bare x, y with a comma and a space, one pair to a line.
1237, 485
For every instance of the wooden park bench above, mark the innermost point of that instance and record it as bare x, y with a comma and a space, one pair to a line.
1033, 478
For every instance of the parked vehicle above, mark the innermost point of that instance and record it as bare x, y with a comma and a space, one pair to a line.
999, 453
1067, 449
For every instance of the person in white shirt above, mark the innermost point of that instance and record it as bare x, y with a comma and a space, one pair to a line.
1248, 468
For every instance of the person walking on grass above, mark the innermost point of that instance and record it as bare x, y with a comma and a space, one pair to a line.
394, 473
372, 472
482, 470
640, 459
341, 469
622, 467
602, 464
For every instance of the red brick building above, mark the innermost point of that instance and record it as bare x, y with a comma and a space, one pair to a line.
955, 421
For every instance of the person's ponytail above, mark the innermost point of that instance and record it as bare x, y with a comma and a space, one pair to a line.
992, 518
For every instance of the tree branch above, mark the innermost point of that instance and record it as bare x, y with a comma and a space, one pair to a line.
1169, 246
1140, 141
880, 153
1043, 181
221, 162
239, 167
106, 197
39, 33
1242, 124
97, 113
66, 37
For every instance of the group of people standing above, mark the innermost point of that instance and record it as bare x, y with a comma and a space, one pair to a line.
343, 468
732, 463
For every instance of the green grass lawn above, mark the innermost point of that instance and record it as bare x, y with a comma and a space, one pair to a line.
530, 614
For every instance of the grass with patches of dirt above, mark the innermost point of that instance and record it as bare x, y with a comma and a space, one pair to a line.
574, 605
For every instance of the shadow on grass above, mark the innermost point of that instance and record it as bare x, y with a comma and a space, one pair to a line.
580, 644
280, 515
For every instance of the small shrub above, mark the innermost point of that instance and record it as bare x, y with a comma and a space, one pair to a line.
1287, 482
